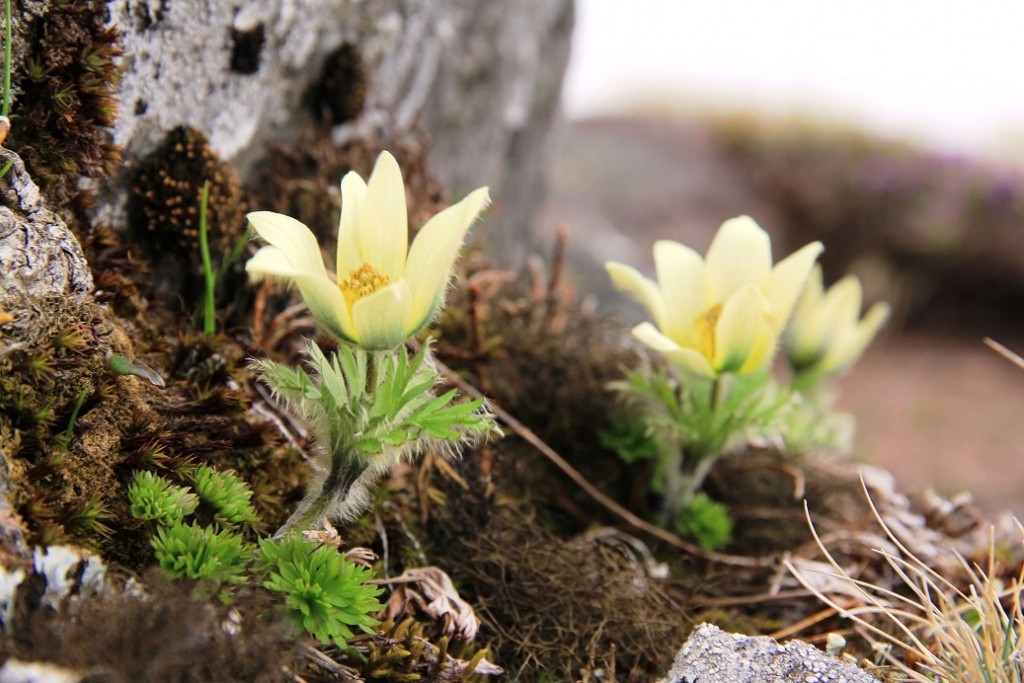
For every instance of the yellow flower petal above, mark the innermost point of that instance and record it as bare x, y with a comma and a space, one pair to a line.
327, 304
787, 279
740, 254
736, 330
806, 327
845, 351
383, 226
842, 302
728, 308
353, 198
380, 318
434, 250
270, 261
876, 316
629, 279
296, 242
294, 255
683, 359
763, 349
681, 278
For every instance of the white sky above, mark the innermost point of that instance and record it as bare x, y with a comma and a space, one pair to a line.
949, 73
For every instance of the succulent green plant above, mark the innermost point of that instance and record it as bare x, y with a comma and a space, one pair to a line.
325, 594
216, 558
154, 499
227, 494
707, 521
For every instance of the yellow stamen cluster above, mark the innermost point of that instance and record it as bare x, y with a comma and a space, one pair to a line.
361, 282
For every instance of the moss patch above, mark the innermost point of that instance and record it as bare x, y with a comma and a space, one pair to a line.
62, 474
66, 82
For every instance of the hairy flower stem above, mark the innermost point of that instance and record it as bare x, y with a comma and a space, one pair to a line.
684, 477
347, 465
373, 359
674, 484
716, 394
688, 465
346, 468
692, 480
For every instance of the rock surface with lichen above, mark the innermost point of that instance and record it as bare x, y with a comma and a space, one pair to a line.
478, 81
711, 655
38, 254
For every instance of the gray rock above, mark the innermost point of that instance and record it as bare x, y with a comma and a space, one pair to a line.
711, 655
496, 101
482, 80
38, 254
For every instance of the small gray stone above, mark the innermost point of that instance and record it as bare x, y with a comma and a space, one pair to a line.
711, 655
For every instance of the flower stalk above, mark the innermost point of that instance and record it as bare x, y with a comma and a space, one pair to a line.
332, 499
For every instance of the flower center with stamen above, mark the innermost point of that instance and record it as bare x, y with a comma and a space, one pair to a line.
362, 281
704, 326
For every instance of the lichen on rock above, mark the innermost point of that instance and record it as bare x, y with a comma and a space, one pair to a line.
711, 655
39, 255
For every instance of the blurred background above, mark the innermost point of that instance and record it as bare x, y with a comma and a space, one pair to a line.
893, 132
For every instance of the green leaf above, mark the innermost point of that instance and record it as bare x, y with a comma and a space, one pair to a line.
444, 422
437, 403
370, 446
351, 364
286, 380
421, 390
396, 437
338, 392
122, 366
398, 379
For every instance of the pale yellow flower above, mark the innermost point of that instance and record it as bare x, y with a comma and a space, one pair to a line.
826, 335
385, 290
723, 313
